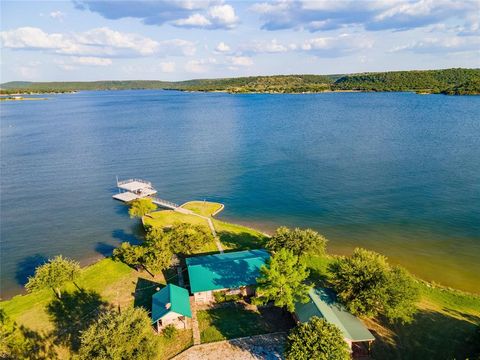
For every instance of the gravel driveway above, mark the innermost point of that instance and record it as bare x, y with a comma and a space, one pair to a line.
264, 347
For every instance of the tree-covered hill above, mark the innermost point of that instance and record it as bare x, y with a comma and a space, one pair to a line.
432, 81
448, 81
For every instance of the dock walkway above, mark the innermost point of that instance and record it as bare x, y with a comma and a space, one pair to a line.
134, 189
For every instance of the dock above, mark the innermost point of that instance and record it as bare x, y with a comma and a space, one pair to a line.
134, 189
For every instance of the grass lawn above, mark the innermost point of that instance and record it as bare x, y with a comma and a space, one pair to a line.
103, 284
238, 237
444, 326
233, 320
204, 208
166, 218
182, 340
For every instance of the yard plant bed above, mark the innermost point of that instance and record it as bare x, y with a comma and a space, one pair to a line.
234, 320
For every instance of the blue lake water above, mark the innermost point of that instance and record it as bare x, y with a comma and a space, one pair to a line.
394, 172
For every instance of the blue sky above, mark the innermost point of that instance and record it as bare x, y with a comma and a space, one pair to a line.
176, 40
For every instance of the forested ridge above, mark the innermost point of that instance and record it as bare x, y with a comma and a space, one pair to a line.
448, 81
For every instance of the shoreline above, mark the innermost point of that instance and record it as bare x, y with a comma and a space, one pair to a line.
92, 260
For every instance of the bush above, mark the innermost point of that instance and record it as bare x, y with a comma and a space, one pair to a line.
221, 296
170, 331
316, 339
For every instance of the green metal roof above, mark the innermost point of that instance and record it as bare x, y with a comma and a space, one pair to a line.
323, 304
225, 271
178, 299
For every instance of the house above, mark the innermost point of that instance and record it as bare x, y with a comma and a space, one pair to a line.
323, 303
171, 306
234, 273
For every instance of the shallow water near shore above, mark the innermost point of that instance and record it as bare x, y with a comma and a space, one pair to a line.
398, 173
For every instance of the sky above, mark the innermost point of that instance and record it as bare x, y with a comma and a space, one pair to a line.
85, 40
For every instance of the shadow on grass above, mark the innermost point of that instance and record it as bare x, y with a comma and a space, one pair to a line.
19, 342
144, 290
26, 267
73, 313
240, 241
432, 335
233, 320
318, 277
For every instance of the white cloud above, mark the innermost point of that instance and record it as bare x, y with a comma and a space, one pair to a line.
206, 14
177, 47
240, 61
336, 46
223, 16
30, 37
200, 65
91, 60
272, 46
216, 17
195, 20
222, 48
100, 42
450, 45
167, 67
320, 15
58, 15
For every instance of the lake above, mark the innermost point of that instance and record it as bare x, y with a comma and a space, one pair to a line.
398, 173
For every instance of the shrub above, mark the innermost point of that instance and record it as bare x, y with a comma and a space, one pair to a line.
169, 331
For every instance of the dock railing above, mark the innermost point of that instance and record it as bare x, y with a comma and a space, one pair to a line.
122, 182
164, 203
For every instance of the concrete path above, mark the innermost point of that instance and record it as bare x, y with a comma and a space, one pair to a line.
195, 328
260, 347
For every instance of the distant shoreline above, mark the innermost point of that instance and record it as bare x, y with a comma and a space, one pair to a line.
457, 81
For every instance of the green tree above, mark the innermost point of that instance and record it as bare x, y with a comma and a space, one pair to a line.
158, 254
299, 241
131, 255
282, 280
117, 336
316, 339
53, 274
186, 238
141, 207
369, 286
19, 343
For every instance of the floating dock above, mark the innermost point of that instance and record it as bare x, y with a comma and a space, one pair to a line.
134, 189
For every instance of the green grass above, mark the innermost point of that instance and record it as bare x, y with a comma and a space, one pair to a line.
106, 281
167, 218
238, 237
234, 320
168, 348
204, 208
444, 326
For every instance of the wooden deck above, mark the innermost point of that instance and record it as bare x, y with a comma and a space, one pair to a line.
134, 189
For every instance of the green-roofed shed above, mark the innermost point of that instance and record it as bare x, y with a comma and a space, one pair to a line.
323, 303
171, 306
234, 272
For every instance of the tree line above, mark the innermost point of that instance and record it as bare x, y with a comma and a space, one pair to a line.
447, 81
